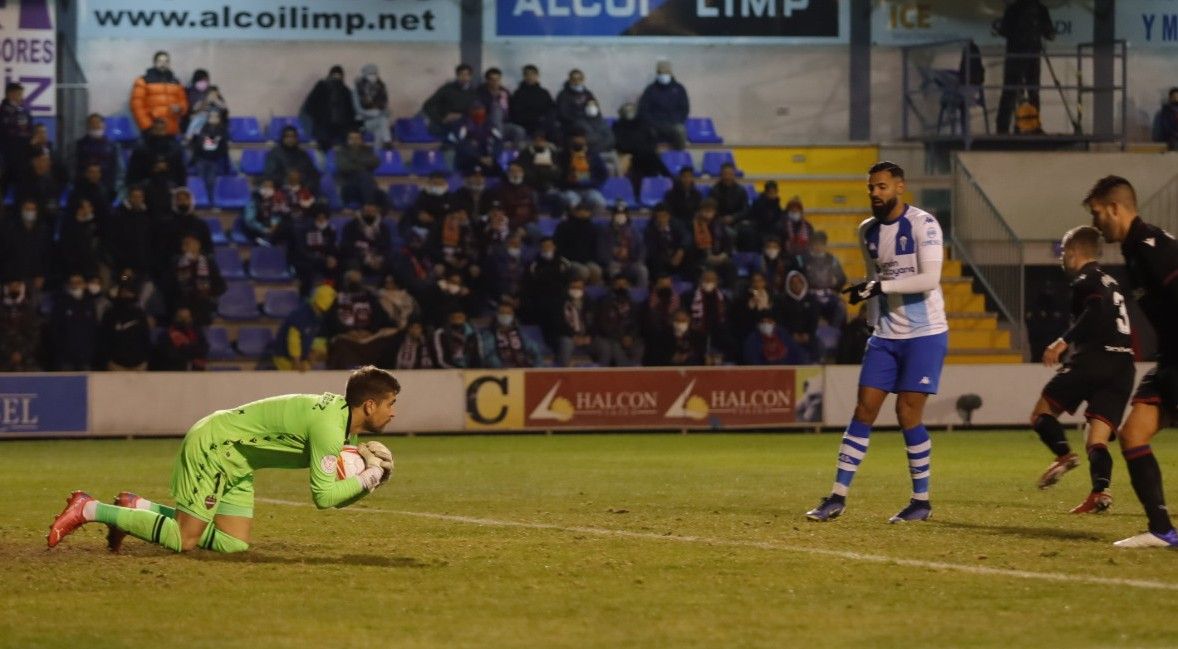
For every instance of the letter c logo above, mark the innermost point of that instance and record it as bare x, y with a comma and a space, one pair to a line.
472, 399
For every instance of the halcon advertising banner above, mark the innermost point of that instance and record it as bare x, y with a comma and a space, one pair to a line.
28, 50
33, 404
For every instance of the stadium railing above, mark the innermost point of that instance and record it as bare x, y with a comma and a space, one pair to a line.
1161, 208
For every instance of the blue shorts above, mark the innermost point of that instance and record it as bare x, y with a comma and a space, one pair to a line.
904, 365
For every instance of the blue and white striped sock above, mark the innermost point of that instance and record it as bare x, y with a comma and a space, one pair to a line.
920, 449
851, 453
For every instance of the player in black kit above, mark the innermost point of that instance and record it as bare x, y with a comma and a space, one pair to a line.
1151, 259
1099, 369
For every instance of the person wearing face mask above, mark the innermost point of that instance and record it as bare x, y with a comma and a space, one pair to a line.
183, 346
90, 187
679, 346
209, 150
366, 244
799, 316
544, 286
457, 345
413, 349
598, 134
288, 156
636, 138
170, 231
769, 345
826, 277
79, 248
518, 200
477, 143
372, 105
428, 209
576, 241
16, 126
582, 171
398, 304
126, 236
26, 244
94, 148
158, 94
157, 155
267, 213
20, 328
569, 328
796, 230
450, 293
506, 268
356, 327
616, 329
73, 327
709, 310
1165, 122
330, 110
748, 306
572, 100
539, 162
194, 282
777, 264
621, 249
765, 215
497, 99
450, 102
532, 106
124, 335
504, 345
660, 308
313, 251
666, 243
664, 105
204, 99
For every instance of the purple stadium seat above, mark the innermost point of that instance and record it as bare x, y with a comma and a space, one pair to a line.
120, 128
639, 223
330, 193
216, 232
506, 156
653, 190
391, 164
245, 130
279, 303
328, 164
746, 262
237, 234
412, 130
253, 162
279, 122
238, 302
713, 160
338, 223
751, 190
676, 160
402, 196
547, 225
639, 294
595, 292
269, 264
254, 341
617, 189
231, 192
200, 193
427, 161
219, 346
701, 130
229, 262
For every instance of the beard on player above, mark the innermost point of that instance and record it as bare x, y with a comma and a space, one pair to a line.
881, 209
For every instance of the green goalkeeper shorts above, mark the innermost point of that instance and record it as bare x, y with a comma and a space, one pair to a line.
201, 485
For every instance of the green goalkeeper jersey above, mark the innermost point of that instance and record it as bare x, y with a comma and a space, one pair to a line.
294, 431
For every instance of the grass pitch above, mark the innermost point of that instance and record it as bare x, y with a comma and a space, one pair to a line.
601, 541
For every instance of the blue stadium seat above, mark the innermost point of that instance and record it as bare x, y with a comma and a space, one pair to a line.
50, 124
506, 157
253, 162
427, 161
238, 302
328, 163
279, 303
681, 286
701, 130
828, 336
546, 225
245, 130
231, 192
713, 160
412, 130
616, 189
229, 262
746, 262
676, 160
216, 232
455, 181
330, 193
200, 193
653, 190
391, 164
120, 128
751, 190
704, 190
338, 223
595, 292
254, 341
639, 223
219, 346
639, 294
238, 235
269, 264
279, 122
402, 196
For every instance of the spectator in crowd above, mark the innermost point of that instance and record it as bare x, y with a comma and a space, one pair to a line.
709, 310
853, 339
124, 338
617, 340
267, 213
313, 252
448, 294
88, 186
679, 346
330, 110
20, 328
748, 308
770, 345
826, 278
182, 347
476, 142
210, 150
26, 243
356, 327
1024, 25
355, 163
366, 243
491, 231
94, 148
428, 209
40, 144
665, 105
506, 269
289, 155
73, 327
451, 102
497, 100
102, 303
504, 345
372, 106
571, 101
666, 243
413, 349
42, 184
731, 199
635, 138
127, 235
799, 317
456, 242
797, 231
414, 265
157, 154
544, 286
777, 265
582, 172
621, 250
710, 246
576, 241
194, 282
158, 94
79, 247
661, 305
532, 107
186, 222
16, 127
398, 304
473, 195
457, 345
765, 216
598, 133
298, 343
204, 99
684, 197
300, 196
1165, 122
570, 329
518, 200
541, 164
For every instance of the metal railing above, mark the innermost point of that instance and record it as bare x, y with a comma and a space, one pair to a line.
73, 100
1161, 208
985, 243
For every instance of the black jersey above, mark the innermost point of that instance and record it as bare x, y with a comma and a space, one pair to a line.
1151, 258
1100, 320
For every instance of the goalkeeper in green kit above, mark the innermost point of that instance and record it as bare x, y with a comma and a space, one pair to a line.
213, 477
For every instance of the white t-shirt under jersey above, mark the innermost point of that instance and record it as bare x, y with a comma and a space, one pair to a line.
905, 255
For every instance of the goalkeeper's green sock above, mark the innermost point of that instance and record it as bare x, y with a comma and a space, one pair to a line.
143, 524
144, 503
218, 541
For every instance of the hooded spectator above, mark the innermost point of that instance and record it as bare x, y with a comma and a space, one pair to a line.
664, 104
451, 102
158, 94
372, 105
532, 107
330, 110
799, 316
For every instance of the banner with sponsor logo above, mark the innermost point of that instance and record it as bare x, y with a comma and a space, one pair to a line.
28, 50
1148, 23
494, 399
778, 21
41, 404
272, 20
910, 22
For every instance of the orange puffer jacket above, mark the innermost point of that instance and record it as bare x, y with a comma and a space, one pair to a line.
153, 96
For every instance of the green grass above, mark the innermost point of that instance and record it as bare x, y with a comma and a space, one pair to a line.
355, 578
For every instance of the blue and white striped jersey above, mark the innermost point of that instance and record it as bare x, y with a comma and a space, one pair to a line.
905, 255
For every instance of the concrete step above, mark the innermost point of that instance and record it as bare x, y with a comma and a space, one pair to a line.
978, 339
988, 356
817, 161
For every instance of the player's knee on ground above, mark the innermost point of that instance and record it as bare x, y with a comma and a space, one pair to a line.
218, 541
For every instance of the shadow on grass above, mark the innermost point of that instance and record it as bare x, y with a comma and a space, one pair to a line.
351, 560
1019, 530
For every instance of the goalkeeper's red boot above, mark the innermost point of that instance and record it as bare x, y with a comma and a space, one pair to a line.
70, 518
115, 536
1060, 466
1095, 503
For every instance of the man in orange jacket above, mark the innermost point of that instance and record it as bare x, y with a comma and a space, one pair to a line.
159, 94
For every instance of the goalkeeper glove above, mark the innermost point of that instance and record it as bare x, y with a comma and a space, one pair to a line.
385, 456
864, 291
373, 474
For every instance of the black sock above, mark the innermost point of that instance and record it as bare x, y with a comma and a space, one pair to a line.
1146, 476
1051, 432
1100, 466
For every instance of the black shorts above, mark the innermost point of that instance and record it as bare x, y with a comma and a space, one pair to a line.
1159, 387
1105, 381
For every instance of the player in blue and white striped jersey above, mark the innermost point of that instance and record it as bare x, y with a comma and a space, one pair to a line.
904, 250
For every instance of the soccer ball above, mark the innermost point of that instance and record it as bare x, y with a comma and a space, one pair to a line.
349, 463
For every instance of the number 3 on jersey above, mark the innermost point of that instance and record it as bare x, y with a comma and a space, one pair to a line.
1122, 313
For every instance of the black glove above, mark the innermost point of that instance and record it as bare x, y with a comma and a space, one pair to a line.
864, 291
